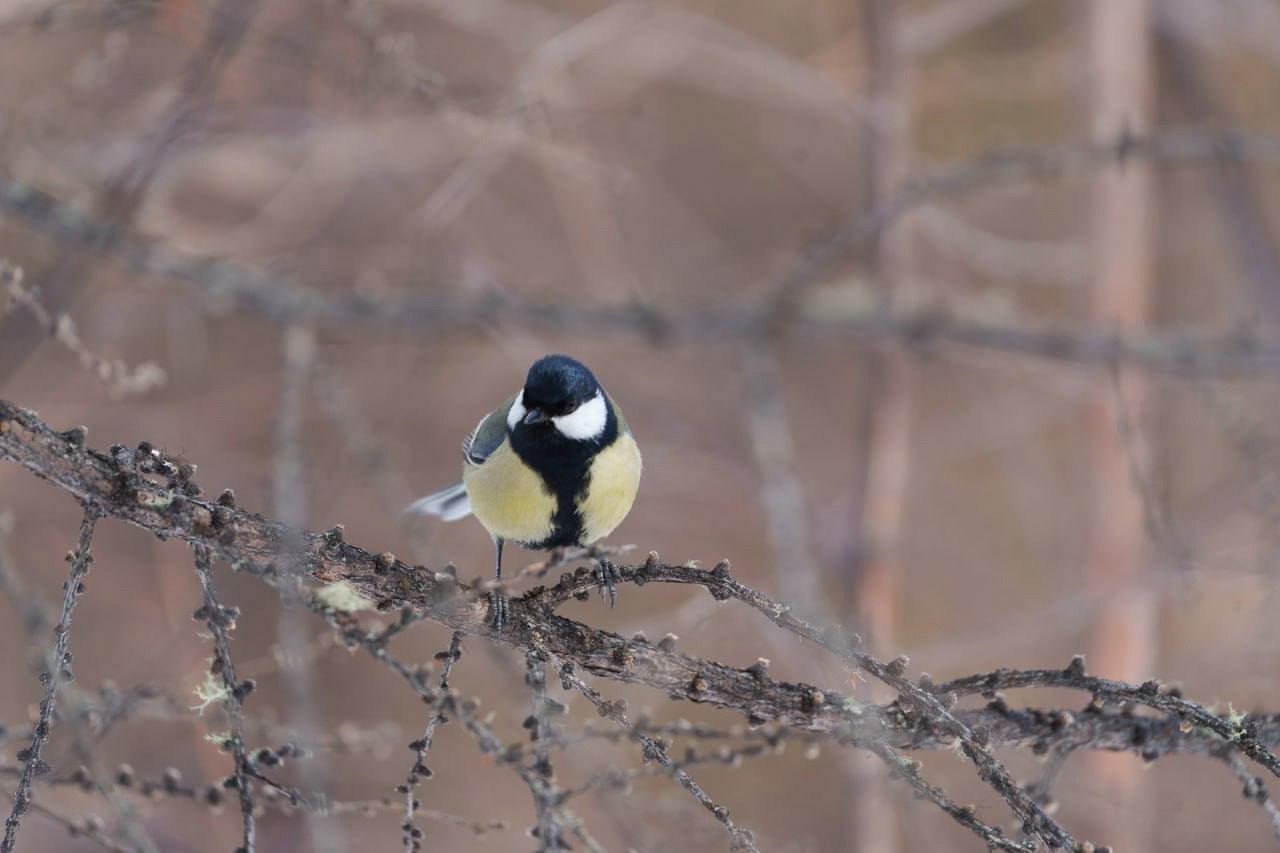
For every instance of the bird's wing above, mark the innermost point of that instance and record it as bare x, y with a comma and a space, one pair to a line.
623, 427
488, 434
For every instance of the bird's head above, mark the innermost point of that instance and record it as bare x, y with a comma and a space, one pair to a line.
560, 393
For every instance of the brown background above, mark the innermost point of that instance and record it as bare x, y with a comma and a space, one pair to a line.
681, 156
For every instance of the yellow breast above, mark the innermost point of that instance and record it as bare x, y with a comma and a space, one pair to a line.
615, 479
509, 498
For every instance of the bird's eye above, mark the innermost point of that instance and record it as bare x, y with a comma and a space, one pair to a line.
570, 407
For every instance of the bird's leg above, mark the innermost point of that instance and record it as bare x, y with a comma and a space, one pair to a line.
497, 600
606, 574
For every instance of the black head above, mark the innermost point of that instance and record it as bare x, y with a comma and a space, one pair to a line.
556, 386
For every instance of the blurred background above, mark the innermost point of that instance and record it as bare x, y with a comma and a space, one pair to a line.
313, 241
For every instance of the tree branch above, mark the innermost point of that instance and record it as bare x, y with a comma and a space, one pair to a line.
144, 488
284, 301
56, 670
422, 746
232, 691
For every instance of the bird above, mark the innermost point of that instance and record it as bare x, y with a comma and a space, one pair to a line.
555, 465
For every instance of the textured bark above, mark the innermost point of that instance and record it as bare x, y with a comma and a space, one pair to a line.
143, 488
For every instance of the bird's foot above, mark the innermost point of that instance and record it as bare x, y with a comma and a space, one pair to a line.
498, 603
607, 575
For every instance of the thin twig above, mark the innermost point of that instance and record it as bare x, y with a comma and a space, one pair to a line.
232, 692
34, 615
545, 795
908, 770
120, 379
743, 839
147, 490
89, 827
421, 746
56, 671
285, 302
1235, 729
415, 678
722, 586
1254, 788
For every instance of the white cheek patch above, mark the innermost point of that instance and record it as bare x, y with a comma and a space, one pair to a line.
585, 422
517, 411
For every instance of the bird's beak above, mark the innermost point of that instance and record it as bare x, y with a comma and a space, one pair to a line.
535, 416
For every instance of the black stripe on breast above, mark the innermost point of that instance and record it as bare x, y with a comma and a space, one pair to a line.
565, 467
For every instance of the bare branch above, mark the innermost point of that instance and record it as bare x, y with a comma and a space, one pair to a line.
415, 678
421, 746
541, 732
931, 31
120, 379
56, 670
1233, 729
1254, 788
909, 770
220, 620
286, 302
89, 827
743, 839
145, 489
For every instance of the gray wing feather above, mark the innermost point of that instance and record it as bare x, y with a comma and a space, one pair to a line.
450, 503
488, 434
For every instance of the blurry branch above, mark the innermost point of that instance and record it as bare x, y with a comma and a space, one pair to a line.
227, 22
448, 700
212, 794
1236, 191
288, 480
947, 23
33, 614
120, 379
1173, 146
883, 380
1123, 296
65, 14
147, 490
997, 256
767, 426
289, 504
884, 405
282, 300
84, 738
90, 827
560, 51
1042, 788
350, 423
122, 196
1221, 29
394, 50
1156, 522
56, 671
1254, 788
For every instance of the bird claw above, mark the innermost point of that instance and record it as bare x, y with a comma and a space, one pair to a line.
498, 610
606, 575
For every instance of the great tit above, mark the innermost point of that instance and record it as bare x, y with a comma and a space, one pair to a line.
555, 465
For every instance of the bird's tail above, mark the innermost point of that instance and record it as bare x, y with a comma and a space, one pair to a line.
450, 503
